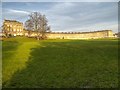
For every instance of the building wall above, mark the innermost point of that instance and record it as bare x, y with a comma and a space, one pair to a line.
13, 27
84, 35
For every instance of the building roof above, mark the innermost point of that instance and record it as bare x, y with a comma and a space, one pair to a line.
78, 32
14, 21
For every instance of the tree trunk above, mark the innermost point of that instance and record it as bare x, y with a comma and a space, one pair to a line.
38, 38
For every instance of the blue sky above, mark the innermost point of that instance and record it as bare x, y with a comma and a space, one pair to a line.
67, 16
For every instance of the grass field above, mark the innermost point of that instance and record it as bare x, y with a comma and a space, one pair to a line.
30, 63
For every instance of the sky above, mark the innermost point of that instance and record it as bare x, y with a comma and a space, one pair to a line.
67, 16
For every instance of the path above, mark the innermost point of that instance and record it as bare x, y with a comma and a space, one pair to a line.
18, 60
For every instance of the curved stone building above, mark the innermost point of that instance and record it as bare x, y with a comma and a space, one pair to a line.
15, 28
81, 35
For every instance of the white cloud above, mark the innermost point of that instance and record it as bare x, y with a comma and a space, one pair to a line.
18, 11
14, 14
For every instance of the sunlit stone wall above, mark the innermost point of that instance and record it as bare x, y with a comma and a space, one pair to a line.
13, 27
82, 35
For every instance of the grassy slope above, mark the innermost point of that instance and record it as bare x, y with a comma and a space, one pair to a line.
60, 63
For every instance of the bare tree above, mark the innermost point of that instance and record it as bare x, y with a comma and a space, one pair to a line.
38, 23
29, 26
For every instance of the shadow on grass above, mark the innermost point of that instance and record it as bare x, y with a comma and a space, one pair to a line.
56, 65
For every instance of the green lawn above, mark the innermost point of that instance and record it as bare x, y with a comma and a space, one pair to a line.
31, 63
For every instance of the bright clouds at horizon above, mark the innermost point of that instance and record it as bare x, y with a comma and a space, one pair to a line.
67, 16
